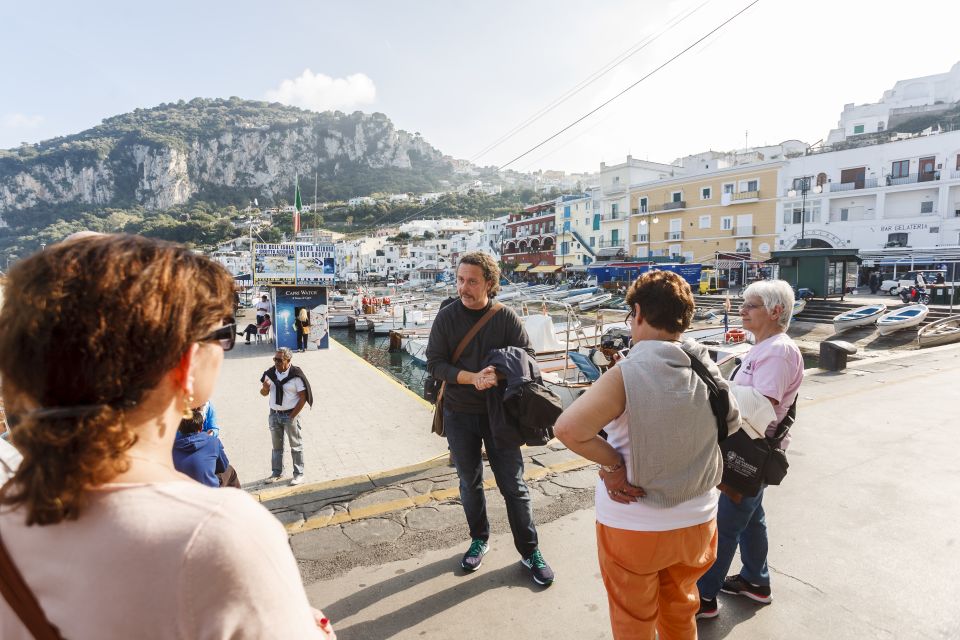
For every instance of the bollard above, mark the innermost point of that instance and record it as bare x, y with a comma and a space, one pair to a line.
833, 354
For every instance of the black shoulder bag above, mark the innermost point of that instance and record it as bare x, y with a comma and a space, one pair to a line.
748, 463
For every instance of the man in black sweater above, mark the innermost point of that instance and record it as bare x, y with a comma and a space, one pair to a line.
465, 421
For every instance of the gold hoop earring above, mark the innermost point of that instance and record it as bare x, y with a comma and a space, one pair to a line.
188, 407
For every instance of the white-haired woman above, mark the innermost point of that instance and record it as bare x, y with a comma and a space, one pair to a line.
773, 369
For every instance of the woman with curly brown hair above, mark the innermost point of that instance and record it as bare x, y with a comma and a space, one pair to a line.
656, 500
105, 343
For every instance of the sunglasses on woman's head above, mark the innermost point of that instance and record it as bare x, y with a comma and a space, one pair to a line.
225, 335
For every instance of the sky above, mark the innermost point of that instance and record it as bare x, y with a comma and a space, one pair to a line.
464, 75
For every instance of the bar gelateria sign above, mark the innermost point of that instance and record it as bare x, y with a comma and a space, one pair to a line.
291, 263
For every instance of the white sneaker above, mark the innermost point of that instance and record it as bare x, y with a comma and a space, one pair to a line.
296, 480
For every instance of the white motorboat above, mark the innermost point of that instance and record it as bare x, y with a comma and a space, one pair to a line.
400, 318
858, 317
904, 318
940, 332
416, 346
798, 307
594, 302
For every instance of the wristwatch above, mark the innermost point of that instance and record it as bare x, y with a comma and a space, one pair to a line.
612, 469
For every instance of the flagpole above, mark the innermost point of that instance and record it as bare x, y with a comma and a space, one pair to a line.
296, 214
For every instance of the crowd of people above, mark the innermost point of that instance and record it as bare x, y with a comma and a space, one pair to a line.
115, 467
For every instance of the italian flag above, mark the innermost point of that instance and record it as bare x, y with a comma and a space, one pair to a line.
298, 206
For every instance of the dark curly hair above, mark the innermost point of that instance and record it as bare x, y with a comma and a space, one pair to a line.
88, 327
665, 300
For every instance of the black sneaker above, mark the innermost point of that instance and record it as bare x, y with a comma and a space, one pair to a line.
473, 558
740, 587
708, 608
540, 571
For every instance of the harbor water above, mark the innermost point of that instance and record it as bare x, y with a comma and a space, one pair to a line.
376, 351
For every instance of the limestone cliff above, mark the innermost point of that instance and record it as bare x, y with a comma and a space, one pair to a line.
238, 149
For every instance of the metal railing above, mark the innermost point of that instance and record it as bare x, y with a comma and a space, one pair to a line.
866, 183
606, 217
745, 195
740, 232
673, 235
639, 237
669, 206
604, 243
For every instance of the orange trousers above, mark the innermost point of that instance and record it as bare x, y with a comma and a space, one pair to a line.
651, 579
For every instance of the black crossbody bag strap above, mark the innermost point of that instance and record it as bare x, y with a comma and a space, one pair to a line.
713, 388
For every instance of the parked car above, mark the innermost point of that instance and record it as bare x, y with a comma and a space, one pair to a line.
909, 279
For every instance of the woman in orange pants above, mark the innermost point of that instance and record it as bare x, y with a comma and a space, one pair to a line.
656, 502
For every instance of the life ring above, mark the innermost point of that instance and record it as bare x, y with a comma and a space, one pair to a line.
734, 336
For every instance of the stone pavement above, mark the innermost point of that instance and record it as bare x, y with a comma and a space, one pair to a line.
362, 420
863, 533
334, 524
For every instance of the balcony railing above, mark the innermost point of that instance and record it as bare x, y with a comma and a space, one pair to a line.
955, 175
745, 195
741, 232
673, 235
604, 243
669, 206
611, 216
639, 237
866, 183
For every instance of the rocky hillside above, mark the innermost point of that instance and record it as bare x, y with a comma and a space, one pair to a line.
221, 150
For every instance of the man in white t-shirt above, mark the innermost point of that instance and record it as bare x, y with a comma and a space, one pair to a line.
263, 308
287, 390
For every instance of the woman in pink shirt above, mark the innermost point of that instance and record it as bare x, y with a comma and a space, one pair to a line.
773, 369
105, 343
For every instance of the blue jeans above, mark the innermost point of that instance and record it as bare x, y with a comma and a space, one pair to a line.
465, 433
281, 424
741, 524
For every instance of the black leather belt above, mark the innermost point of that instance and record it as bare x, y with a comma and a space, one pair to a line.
281, 411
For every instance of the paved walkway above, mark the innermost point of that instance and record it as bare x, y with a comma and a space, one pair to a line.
362, 420
863, 533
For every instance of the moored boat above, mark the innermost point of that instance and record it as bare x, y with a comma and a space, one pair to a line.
904, 318
940, 332
798, 307
858, 317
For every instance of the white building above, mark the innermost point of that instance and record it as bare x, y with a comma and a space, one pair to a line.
904, 193
492, 236
907, 99
578, 229
360, 200
355, 257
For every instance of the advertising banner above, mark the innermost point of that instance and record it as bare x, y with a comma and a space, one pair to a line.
291, 263
288, 303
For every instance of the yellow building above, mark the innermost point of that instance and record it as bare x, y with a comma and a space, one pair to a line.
729, 210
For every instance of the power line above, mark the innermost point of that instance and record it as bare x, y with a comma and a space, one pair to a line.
589, 113
583, 84
604, 104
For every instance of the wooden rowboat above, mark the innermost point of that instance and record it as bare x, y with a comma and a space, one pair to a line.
858, 317
940, 332
903, 318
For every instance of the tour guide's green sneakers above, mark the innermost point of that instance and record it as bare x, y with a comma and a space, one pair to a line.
540, 571
473, 558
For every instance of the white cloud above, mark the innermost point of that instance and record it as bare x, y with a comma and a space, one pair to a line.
321, 93
20, 121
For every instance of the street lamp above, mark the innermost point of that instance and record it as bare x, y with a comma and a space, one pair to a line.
643, 223
804, 190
